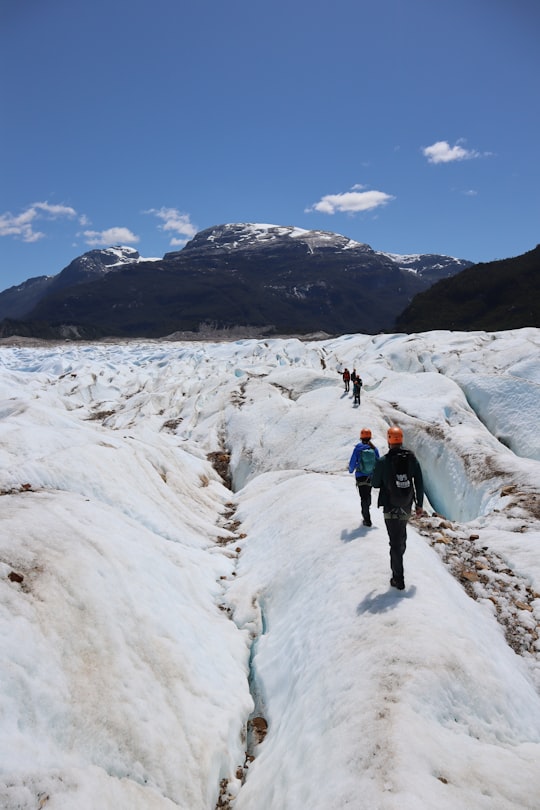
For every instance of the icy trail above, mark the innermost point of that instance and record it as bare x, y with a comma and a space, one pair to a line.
124, 677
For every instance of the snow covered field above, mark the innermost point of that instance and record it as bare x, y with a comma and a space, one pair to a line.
168, 642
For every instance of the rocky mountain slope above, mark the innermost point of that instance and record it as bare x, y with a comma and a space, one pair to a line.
19, 301
490, 296
269, 278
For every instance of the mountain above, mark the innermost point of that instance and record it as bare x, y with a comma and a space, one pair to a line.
19, 301
16, 302
95, 265
491, 296
270, 278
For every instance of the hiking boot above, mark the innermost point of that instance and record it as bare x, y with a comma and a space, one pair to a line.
397, 583
367, 522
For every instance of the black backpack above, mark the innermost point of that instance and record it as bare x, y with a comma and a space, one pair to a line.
400, 479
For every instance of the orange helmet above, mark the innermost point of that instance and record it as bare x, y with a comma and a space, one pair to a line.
365, 433
395, 435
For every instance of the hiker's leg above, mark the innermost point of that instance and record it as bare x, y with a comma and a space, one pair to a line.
397, 533
365, 500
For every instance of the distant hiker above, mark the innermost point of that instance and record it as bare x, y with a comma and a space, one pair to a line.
346, 374
357, 385
353, 375
399, 477
363, 460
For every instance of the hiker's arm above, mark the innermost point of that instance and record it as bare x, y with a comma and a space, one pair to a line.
418, 487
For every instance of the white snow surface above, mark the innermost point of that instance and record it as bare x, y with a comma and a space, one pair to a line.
127, 255
148, 613
409, 258
263, 232
122, 253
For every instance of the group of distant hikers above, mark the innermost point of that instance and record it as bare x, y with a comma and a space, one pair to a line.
398, 477
354, 378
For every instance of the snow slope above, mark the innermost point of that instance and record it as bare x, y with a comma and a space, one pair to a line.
168, 642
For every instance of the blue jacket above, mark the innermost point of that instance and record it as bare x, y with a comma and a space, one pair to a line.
354, 458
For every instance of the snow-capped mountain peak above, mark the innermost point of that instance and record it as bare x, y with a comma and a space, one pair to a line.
418, 263
250, 236
234, 274
104, 259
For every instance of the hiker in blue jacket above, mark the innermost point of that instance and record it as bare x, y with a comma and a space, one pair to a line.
363, 463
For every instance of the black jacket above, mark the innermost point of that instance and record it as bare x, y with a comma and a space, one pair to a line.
381, 475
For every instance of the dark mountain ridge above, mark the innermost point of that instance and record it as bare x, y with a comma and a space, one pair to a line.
492, 296
274, 278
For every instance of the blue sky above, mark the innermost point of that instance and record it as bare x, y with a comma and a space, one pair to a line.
412, 125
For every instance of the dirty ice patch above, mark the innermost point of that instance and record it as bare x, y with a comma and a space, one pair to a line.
118, 658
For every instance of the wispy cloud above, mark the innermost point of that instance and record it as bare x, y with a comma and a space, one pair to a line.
351, 202
110, 236
442, 152
23, 225
55, 211
176, 222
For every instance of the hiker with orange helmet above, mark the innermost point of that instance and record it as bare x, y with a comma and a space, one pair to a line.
398, 476
362, 462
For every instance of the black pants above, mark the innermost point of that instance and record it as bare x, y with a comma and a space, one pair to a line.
364, 490
397, 533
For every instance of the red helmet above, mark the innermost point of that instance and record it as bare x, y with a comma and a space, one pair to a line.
395, 435
365, 433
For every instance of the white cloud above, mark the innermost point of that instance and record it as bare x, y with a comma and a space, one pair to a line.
110, 236
55, 211
442, 152
351, 201
21, 226
180, 224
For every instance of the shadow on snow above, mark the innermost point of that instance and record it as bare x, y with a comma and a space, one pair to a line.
382, 602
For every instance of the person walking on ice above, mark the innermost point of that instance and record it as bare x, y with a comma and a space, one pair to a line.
362, 462
398, 477
357, 385
346, 374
